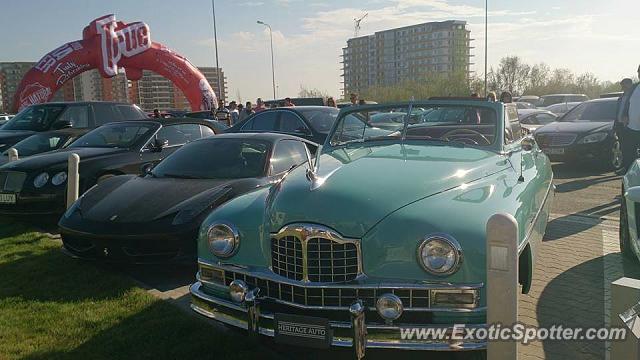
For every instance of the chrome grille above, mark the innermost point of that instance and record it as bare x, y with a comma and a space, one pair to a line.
557, 139
286, 257
313, 253
12, 181
329, 261
328, 296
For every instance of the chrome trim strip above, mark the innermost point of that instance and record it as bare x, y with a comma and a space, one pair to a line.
532, 224
352, 285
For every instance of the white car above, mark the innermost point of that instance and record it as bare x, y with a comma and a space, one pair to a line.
531, 119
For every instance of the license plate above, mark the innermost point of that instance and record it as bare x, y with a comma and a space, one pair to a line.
554, 151
302, 331
7, 198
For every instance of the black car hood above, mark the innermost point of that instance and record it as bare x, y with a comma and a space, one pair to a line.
578, 127
8, 138
135, 199
58, 157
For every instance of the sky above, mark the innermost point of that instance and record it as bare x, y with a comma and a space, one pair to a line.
601, 37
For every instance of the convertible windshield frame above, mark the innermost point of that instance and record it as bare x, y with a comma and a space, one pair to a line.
497, 107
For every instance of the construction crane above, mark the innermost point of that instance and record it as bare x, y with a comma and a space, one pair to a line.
357, 24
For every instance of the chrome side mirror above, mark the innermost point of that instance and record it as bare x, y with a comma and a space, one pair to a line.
527, 143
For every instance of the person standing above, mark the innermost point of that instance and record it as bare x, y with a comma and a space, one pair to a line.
288, 102
353, 98
331, 102
233, 111
631, 114
506, 97
622, 120
491, 97
247, 111
260, 105
156, 113
222, 113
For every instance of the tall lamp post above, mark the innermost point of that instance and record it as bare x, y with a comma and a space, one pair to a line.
273, 72
215, 41
486, 39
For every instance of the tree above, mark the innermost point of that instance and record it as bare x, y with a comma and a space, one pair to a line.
312, 93
512, 74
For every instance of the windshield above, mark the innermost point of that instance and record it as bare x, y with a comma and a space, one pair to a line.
35, 118
226, 159
592, 111
113, 136
40, 143
471, 125
320, 119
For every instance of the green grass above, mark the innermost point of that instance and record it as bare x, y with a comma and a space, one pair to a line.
54, 307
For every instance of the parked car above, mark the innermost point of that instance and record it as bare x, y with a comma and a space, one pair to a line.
524, 105
562, 108
308, 122
531, 119
37, 185
44, 142
344, 104
114, 220
531, 99
60, 115
209, 116
629, 211
616, 95
548, 100
584, 133
370, 239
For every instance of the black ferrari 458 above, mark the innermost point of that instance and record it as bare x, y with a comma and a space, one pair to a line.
155, 218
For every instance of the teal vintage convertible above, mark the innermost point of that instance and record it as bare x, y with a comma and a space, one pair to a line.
384, 230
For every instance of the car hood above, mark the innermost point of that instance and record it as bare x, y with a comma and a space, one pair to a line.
357, 188
575, 127
134, 199
9, 138
53, 158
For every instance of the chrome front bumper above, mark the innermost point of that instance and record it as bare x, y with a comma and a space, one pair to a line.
249, 316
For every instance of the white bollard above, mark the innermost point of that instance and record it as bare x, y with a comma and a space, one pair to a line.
73, 179
625, 294
502, 282
13, 154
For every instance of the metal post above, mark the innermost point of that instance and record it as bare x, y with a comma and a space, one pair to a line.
13, 154
625, 293
73, 179
273, 71
502, 282
215, 42
486, 42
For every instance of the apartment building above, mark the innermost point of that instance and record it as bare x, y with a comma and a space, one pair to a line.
392, 56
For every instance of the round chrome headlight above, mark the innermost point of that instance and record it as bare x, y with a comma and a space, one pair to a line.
389, 307
440, 254
223, 239
41, 180
59, 178
237, 290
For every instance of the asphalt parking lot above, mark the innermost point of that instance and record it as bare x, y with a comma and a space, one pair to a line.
579, 258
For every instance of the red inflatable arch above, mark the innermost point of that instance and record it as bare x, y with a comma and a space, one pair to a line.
108, 45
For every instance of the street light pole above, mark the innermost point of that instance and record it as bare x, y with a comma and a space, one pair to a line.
215, 41
273, 72
486, 39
